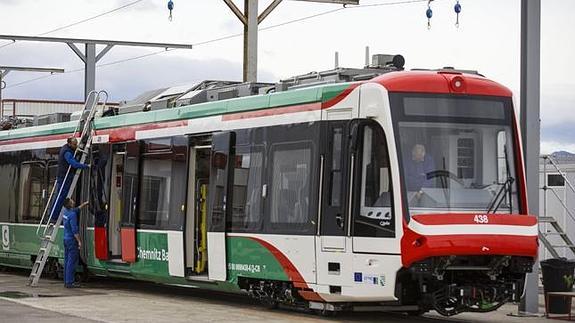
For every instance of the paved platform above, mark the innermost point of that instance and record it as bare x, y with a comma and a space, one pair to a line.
109, 300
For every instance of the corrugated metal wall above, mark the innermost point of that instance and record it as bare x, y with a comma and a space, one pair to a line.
25, 108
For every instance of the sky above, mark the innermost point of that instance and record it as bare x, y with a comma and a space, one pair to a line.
487, 40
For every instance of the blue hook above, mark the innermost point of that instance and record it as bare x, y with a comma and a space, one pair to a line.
170, 7
457, 9
429, 14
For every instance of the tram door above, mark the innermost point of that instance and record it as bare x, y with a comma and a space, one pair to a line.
115, 204
221, 172
375, 226
123, 201
130, 201
333, 245
196, 226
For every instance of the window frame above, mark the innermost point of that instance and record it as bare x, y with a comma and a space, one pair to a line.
26, 218
359, 189
252, 226
148, 151
293, 134
398, 115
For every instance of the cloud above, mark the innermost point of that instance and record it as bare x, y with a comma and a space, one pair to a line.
123, 81
548, 147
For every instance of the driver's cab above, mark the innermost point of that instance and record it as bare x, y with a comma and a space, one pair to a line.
453, 162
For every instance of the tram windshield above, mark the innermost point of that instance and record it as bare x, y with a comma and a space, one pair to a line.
456, 153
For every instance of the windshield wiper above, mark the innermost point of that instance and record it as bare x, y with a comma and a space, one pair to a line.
507, 187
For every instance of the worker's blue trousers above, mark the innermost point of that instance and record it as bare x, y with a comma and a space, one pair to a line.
71, 255
59, 199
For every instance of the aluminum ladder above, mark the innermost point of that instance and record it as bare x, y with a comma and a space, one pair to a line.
566, 242
47, 231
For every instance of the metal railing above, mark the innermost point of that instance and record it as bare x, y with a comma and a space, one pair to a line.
551, 219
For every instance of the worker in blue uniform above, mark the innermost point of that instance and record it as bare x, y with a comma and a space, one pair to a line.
72, 242
65, 160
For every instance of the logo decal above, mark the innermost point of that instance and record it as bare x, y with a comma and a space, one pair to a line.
5, 237
369, 279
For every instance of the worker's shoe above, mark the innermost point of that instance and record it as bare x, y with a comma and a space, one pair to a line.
74, 285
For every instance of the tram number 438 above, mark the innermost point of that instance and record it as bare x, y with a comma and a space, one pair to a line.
481, 219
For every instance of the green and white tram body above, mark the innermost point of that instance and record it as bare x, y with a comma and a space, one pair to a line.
302, 197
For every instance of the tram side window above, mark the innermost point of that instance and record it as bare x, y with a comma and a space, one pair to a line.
162, 190
290, 185
247, 189
375, 218
32, 192
9, 186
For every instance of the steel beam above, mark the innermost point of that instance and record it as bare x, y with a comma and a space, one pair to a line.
90, 69
93, 41
236, 11
268, 10
7, 69
251, 41
103, 52
77, 51
530, 126
90, 57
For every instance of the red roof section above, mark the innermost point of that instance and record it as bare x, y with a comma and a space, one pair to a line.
441, 82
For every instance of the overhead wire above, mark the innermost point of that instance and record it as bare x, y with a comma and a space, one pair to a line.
231, 36
81, 21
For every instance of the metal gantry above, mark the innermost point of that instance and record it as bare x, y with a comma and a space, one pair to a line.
4, 70
251, 18
89, 56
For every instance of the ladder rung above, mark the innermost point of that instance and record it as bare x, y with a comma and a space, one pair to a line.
564, 246
554, 233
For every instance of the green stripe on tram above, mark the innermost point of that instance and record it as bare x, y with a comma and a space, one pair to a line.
251, 103
245, 258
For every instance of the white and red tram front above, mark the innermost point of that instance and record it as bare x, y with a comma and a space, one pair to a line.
467, 240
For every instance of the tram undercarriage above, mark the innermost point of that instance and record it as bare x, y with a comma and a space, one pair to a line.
456, 284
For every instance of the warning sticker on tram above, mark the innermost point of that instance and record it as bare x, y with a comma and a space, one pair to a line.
5, 238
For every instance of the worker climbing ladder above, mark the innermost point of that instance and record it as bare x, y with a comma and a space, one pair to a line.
48, 229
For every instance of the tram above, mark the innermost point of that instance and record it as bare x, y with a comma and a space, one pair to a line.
403, 192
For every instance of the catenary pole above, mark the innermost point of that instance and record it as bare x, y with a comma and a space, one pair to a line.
251, 18
530, 126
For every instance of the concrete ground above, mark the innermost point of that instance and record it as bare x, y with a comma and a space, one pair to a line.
107, 300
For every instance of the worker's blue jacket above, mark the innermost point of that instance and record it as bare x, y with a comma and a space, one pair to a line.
66, 159
71, 223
